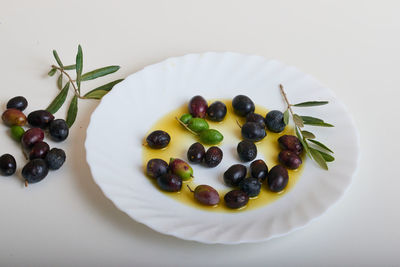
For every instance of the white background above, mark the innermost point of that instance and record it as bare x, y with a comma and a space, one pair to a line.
351, 47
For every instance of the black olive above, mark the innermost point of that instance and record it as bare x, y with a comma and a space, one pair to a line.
158, 139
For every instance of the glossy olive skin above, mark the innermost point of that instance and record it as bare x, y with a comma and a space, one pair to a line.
246, 150
8, 165
158, 139
17, 132
13, 117
213, 156
40, 118
289, 159
58, 130
181, 168
55, 158
274, 121
259, 170
236, 199
18, 102
156, 168
39, 150
198, 107
198, 125
211, 137
169, 182
251, 186
196, 153
206, 195
253, 132
235, 174
217, 111
257, 118
278, 178
290, 142
32, 136
243, 105
35, 171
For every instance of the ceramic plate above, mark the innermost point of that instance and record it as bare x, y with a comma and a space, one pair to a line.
121, 121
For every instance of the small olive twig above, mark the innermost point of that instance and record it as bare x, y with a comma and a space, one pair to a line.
70, 80
186, 127
286, 99
190, 189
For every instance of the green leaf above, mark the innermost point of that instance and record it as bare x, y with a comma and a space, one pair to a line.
304, 143
59, 100
298, 120
59, 81
52, 72
315, 121
308, 135
57, 59
311, 104
79, 67
99, 73
326, 156
286, 117
96, 94
72, 111
70, 67
107, 87
321, 145
319, 158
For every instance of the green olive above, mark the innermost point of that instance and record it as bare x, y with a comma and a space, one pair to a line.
17, 132
197, 125
185, 118
211, 137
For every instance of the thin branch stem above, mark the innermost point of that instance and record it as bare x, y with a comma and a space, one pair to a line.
286, 99
70, 80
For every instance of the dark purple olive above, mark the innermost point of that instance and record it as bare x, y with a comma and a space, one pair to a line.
242, 105
278, 178
196, 153
257, 118
247, 150
206, 195
169, 182
236, 199
58, 130
156, 167
251, 186
39, 150
14, 117
289, 159
274, 121
35, 171
8, 165
55, 158
216, 111
259, 169
18, 102
235, 174
290, 142
40, 118
158, 139
198, 107
213, 156
32, 136
253, 132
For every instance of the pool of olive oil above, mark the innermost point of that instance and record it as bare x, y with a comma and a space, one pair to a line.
181, 139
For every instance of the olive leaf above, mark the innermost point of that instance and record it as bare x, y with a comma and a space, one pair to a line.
315, 121
59, 81
70, 67
298, 121
308, 135
326, 156
57, 59
52, 72
72, 111
79, 67
99, 92
303, 142
321, 145
99, 73
311, 104
318, 158
286, 117
58, 100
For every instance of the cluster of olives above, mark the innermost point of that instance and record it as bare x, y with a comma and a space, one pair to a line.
42, 158
169, 176
291, 151
197, 154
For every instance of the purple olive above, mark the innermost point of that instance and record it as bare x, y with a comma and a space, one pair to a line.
40, 118
39, 150
289, 159
290, 142
169, 182
32, 136
156, 168
198, 107
18, 102
236, 199
206, 195
278, 178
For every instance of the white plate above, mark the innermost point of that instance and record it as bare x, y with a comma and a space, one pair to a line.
120, 122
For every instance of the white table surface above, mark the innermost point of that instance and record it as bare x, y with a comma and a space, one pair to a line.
350, 46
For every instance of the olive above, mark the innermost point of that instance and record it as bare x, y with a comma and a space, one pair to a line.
55, 158
18, 102
236, 199
169, 182
39, 150
58, 130
156, 168
251, 186
274, 121
247, 150
206, 195
196, 153
290, 142
185, 118
32, 136
253, 132
259, 169
242, 105
235, 174
257, 118
35, 171
278, 178
13, 117
181, 168
211, 137
213, 156
198, 106
40, 118
17, 132
197, 125
158, 139
7, 165
289, 159
216, 111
